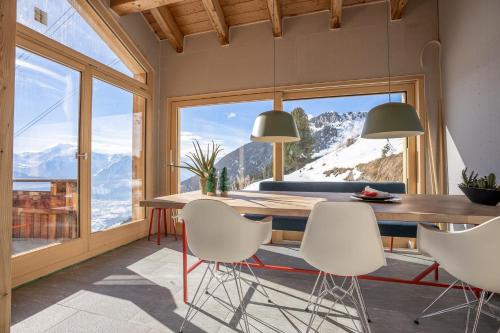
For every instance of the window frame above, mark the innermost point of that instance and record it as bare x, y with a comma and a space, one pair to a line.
411, 86
39, 262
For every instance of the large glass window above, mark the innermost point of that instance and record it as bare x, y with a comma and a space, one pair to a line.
117, 156
229, 125
60, 20
331, 148
45, 168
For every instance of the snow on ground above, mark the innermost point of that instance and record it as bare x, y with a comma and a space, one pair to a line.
110, 213
361, 151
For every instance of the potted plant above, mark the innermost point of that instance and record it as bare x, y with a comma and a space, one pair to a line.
211, 183
481, 190
201, 163
223, 183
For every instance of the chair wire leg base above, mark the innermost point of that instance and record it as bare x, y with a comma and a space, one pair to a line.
221, 277
423, 313
479, 308
327, 287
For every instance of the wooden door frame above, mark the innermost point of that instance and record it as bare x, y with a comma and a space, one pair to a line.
7, 65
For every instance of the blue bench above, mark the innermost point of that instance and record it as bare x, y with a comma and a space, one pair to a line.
387, 228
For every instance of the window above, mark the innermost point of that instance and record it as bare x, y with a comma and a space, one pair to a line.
63, 21
229, 125
80, 133
331, 148
117, 163
45, 170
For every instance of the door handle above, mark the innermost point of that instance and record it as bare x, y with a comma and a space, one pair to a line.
82, 156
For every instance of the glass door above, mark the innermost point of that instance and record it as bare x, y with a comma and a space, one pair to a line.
46, 143
117, 164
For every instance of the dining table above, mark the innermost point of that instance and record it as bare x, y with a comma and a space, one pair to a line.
422, 208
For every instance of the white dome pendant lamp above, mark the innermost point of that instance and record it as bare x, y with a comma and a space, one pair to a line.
274, 125
392, 119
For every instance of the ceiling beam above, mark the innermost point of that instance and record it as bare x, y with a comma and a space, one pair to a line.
217, 19
274, 7
169, 27
336, 14
124, 7
397, 8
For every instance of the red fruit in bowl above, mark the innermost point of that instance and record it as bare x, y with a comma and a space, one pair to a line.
369, 194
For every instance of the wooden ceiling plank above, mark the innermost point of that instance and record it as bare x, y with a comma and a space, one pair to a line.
336, 14
274, 7
397, 8
217, 19
124, 7
169, 27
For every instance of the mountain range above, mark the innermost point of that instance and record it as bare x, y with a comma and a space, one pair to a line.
59, 162
337, 143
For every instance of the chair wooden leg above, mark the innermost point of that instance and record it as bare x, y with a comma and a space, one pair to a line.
436, 273
158, 234
173, 228
392, 243
151, 222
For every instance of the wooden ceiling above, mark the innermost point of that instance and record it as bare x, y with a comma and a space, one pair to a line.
174, 19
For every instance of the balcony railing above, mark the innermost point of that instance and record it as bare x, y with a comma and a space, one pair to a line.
45, 212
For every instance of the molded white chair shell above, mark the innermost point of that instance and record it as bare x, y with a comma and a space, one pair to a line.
216, 232
342, 238
470, 256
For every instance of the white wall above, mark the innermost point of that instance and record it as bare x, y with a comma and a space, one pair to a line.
470, 35
309, 52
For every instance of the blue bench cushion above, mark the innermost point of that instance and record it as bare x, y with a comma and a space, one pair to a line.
398, 229
387, 228
289, 223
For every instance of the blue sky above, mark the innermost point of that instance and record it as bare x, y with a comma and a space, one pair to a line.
48, 94
231, 124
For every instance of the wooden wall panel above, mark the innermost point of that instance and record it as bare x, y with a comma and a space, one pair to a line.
7, 73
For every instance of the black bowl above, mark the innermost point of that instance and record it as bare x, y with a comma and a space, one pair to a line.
483, 196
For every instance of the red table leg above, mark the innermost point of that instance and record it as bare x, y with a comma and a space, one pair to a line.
184, 262
426, 272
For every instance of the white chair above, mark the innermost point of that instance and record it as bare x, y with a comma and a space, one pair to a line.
217, 234
471, 256
342, 239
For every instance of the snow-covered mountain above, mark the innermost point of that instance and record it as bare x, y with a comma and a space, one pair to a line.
111, 179
339, 148
331, 129
339, 154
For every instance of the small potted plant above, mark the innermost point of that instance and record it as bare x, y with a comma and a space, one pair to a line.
201, 163
223, 183
481, 190
211, 184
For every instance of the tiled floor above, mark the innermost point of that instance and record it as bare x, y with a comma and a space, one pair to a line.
138, 288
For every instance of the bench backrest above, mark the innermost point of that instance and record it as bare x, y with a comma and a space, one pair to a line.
346, 187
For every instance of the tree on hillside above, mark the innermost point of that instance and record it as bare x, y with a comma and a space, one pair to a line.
299, 153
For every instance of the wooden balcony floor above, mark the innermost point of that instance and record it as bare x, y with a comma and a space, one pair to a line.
138, 288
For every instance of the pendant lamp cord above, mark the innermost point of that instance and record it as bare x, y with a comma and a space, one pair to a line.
388, 9
274, 54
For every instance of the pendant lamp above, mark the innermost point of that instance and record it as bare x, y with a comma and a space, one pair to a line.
274, 125
393, 119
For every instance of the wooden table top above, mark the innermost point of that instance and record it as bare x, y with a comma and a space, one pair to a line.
412, 207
